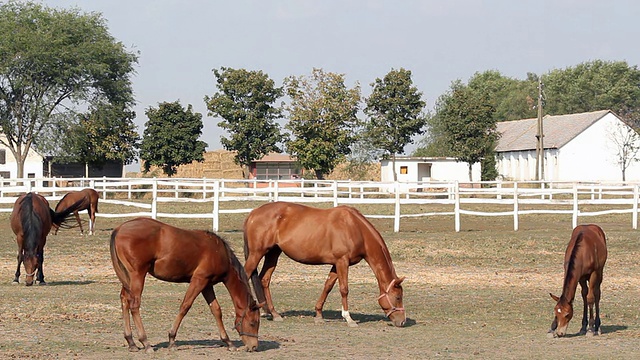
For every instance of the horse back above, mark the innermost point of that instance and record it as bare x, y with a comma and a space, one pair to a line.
167, 252
31, 217
587, 248
307, 234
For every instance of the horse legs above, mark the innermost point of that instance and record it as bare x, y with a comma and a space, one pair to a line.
126, 317
269, 266
342, 269
210, 296
79, 222
585, 291
92, 220
16, 280
40, 276
195, 287
328, 285
593, 298
133, 299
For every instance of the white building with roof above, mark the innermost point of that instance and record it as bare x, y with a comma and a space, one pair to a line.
577, 147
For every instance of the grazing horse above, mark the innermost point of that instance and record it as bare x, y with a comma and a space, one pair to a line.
201, 258
339, 237
31, 221
583, 263
89, 202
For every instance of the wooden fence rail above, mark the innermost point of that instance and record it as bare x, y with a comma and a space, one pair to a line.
520, 198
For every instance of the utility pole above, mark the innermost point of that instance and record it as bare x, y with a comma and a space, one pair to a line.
540, 137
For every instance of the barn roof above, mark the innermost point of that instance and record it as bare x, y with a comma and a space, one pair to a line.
519, 135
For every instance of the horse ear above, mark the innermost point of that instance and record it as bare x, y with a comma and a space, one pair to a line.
554, 297
399, 281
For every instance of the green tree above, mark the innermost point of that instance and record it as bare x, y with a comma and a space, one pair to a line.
594, 85
52, 60
322, 120
245, 102
170, 138
395, 113
468, 124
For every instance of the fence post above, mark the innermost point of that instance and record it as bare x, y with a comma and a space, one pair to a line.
104, 187
396, 218
216, 204
634, 218
204, 188
335, 193
456, 196
575, 205
499, 188
276, 192
154, 202
515, 206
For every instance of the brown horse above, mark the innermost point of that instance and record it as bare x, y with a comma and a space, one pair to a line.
339, 237
583, 263
89, 201
201, 258
31, 221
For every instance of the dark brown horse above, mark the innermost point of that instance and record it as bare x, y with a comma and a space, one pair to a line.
339, 237
88, 199
583, 263
31, 221
201, 258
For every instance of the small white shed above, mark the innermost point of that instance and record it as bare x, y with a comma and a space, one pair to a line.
413, 169
33, 166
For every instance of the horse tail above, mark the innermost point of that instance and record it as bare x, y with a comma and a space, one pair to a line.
61, 217
118, 266
31, 225
255, 279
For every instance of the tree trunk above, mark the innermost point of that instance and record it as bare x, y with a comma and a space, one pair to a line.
319, 175
470, 173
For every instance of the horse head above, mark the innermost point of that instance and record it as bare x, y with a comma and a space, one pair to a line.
247, 324
563, 313
31, 264
391, 302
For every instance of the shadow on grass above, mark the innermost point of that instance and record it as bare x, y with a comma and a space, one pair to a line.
67, 283
606, 329
213, 344
333, 315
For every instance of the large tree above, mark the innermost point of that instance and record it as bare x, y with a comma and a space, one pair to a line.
395, 113
245, 103
171, 136
322, 119
54, 61
468, 124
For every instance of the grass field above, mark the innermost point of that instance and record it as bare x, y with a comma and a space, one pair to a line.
482, 293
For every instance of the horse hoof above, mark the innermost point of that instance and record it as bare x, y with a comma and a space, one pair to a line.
149, 350
318, 320
42, 283
278, 318
15, 282
589, 333
133, 348
552, 335
352, 324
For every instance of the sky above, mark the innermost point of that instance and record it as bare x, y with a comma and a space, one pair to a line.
181, 41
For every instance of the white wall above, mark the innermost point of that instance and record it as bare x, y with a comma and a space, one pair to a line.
33, 164
441, 170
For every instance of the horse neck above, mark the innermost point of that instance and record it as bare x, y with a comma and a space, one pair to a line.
379, 260
238, 290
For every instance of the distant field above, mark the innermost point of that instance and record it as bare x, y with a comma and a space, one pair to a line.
481, 293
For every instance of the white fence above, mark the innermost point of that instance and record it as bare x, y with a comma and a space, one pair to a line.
458, 198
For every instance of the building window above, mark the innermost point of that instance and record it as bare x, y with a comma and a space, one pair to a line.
3, 156
277, 171
404, 170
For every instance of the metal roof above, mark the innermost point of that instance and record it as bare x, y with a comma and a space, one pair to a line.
558, 130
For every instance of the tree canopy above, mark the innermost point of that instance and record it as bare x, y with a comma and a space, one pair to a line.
54, 61
322, 119
245, 103
171, 136
395, 113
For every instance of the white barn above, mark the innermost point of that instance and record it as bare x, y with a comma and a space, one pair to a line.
33, 166
577, 147
413, 169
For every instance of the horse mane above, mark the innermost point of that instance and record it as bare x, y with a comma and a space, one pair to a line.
31, 225
572, 261
61, 201
377, 236
234, 262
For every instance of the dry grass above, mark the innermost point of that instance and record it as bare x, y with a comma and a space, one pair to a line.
481, 293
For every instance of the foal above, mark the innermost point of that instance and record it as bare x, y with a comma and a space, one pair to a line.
583, 263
